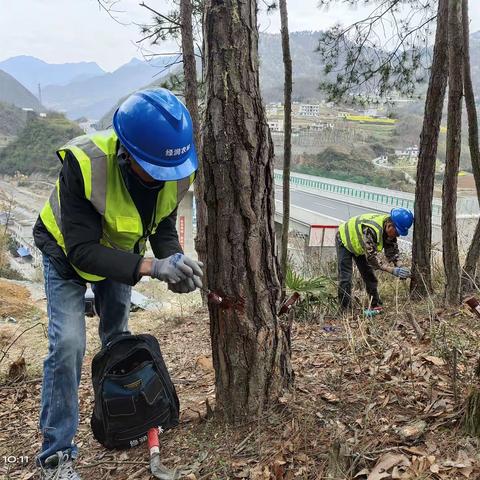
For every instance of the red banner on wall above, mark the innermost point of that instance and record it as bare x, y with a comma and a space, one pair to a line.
181, 231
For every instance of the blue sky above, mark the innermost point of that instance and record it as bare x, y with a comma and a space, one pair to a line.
59, 31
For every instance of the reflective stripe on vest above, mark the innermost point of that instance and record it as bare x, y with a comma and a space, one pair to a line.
104, 187
351, 232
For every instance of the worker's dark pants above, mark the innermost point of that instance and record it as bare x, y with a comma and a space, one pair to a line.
345, 271
62, 368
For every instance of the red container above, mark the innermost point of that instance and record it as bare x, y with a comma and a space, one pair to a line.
474, 305
285, 308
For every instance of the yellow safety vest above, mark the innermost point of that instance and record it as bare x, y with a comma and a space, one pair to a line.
351, 232
96, 155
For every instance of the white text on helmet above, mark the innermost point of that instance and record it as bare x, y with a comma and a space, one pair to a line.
173, 152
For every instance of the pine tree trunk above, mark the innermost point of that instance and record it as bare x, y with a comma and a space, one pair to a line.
191, 100
473, 254
251, 352
421, 284
287, 147
451, 261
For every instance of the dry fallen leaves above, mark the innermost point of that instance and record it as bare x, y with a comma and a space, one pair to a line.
385, 463
205, 363
17, 370
439, 362
382, 386
413, 431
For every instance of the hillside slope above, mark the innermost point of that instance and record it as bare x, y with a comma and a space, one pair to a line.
34, 149
352, 164
14, 93
12, 120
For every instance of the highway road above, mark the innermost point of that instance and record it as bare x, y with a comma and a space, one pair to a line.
326, 206
336, 209
27, 201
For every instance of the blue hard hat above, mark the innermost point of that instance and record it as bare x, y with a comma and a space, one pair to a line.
156, 129
402, 219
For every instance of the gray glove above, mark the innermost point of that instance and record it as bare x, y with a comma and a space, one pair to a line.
186, 286
402, 272
176, 268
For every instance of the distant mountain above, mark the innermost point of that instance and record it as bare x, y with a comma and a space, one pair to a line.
106, 120
308, 67
14, 93
93, 97
31, 71
306, 63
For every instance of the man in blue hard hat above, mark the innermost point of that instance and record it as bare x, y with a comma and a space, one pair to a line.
117, 189
360, 239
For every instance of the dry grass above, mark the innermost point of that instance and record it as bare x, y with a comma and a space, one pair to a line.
356, 390
14, 300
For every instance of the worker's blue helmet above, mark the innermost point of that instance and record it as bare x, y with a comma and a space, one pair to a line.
402, 219
156, 129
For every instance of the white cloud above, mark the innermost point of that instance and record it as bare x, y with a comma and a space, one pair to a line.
61, 31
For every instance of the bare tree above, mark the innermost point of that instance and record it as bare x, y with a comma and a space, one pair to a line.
191, 99
421, 284
251, 351
7, 208
454, 125
287, 139
473, 254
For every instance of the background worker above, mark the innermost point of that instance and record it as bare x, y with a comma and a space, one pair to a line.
116, 190
361, 238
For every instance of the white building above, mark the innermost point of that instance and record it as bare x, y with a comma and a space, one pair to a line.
409, 152
309, 110
382, 160
318, 127
276, 125
274, 109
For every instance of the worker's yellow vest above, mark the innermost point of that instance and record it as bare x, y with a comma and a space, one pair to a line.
351, 232
96, 155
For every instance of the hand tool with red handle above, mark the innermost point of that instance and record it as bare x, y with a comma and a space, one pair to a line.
158, 469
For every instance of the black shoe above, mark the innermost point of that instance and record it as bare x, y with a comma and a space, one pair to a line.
376, 303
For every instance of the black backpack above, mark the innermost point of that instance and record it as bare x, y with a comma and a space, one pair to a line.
133, 391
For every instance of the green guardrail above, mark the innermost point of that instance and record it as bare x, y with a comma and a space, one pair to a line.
381, 198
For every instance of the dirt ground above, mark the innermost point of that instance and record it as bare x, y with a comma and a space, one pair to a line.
374, 399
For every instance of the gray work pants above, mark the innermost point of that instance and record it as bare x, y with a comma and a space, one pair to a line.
345, 271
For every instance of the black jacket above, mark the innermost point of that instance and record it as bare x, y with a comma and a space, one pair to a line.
82, 229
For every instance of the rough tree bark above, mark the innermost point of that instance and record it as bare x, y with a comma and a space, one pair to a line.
451, 261
251, 351
287, 145
421, 284
471, 262
191, 100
